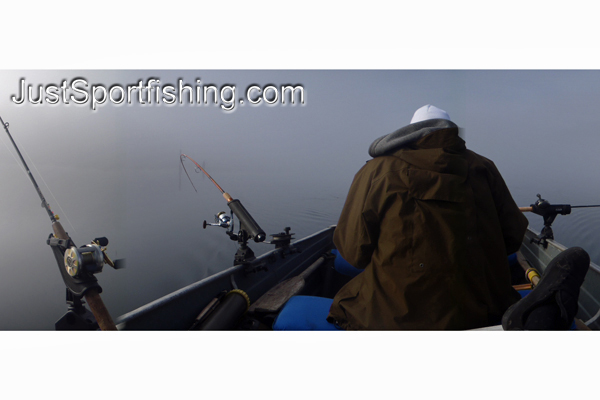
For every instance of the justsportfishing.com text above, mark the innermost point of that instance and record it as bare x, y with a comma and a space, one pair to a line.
152, 92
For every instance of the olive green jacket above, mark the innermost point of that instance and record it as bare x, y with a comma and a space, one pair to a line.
432, 224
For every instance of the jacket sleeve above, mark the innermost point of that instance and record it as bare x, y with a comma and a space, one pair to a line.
357, 231
512, 221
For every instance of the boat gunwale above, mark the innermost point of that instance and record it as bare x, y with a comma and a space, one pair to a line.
122, 320
560, 247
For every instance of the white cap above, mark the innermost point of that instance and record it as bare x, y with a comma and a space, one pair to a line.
429, 112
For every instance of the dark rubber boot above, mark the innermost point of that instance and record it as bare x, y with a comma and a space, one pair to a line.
552, 304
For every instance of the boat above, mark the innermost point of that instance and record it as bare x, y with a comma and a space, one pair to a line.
290, 287
311, 270
308, 268
253, 294
257, 293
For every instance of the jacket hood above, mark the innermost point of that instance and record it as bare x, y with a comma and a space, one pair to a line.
389, 143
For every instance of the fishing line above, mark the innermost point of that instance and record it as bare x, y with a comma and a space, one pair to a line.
188, 175
45, 184
24, 166
226, 195
13, 156
202, 169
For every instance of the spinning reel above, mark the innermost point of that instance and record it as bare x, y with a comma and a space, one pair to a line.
249, 229
222, 220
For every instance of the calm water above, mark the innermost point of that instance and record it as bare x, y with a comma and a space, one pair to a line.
115, 172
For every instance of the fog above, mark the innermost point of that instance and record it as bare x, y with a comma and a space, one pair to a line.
115, 171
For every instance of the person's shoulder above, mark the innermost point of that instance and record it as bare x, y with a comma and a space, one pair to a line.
383, 164
475, 158
380, 168
480, 165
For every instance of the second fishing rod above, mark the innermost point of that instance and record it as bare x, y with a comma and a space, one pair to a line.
249, 228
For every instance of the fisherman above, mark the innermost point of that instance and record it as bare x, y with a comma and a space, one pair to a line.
432, 223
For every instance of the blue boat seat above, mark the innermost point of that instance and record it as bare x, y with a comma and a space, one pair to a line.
524, 292
309, 313
305, 313
342, 266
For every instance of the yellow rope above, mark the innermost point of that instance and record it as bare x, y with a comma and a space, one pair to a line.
243, 294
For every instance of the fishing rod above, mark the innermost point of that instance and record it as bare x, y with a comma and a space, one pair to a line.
77, 267
249, 228
549, 212
56, 226
225, 194
235, 205
530, 209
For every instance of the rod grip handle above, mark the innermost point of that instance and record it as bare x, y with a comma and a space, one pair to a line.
59, 231
105, 321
